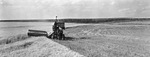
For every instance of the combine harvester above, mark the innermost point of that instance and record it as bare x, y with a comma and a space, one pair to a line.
58, 28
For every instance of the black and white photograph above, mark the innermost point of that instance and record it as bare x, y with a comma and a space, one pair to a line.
74, 28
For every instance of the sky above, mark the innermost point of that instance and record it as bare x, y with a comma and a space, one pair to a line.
44, 9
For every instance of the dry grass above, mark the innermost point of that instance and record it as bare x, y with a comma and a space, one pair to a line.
16, 47
88, 40
24, 46
12, 39
109, 40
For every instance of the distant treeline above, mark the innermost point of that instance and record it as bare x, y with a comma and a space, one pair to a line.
104, 20
84, 20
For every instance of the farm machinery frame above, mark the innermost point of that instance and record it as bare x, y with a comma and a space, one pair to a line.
57, 33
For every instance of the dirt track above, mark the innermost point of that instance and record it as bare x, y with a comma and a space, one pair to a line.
24, 46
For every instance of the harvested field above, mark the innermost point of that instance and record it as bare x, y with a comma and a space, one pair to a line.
128, 39
23, 46
109, 40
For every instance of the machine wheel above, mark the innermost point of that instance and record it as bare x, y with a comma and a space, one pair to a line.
59, 36
63, 37
52, 36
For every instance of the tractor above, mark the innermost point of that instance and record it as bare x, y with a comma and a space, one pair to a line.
57, 28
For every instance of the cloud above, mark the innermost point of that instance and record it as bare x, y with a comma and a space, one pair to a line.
26, 9
133, 8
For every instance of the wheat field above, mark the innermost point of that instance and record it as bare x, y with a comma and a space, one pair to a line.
110, 40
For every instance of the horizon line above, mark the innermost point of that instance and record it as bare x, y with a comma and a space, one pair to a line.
68, 18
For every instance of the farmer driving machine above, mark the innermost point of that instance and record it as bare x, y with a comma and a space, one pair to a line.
57, 28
